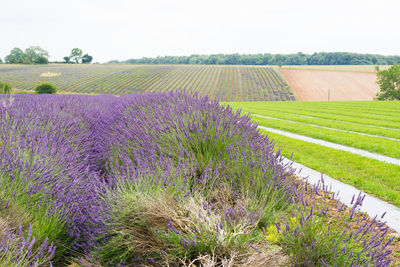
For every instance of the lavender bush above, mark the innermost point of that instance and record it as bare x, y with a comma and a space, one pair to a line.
158, 179
47, 147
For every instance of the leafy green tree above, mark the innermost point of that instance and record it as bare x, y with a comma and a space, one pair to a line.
17, 56
36, 52
41, 60
86, 58
46, 88
5, 88
1, 61
67, 59
389, 83
76, 55
33, 54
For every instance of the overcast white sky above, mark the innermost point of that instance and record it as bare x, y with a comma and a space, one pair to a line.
123, 29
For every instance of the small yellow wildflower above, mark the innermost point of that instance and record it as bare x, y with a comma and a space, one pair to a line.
272, 234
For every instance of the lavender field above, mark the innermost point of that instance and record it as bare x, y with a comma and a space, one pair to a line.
163, 179
227, 83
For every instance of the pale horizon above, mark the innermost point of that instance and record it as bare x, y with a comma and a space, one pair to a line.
120, 30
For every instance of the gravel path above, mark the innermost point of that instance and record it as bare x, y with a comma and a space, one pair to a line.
335, 146
324, 127
371, 205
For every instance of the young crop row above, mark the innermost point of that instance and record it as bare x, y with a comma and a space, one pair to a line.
228, 83
162, 179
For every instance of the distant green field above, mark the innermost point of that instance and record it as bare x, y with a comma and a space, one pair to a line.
227, 83
375, 118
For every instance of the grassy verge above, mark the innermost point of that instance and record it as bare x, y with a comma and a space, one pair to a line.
372, 176
322, 111
372, 144
330, 123
385, 110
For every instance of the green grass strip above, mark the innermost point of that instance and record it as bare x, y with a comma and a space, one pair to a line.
372, 176
332, 124
372, 144
321, 110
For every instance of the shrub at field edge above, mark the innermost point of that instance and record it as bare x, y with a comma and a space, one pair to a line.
46, 88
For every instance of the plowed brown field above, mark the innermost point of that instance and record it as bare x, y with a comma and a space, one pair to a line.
314, 85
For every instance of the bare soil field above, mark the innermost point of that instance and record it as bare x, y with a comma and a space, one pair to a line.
314, 85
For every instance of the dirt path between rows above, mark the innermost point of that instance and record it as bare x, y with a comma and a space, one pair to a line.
313, 85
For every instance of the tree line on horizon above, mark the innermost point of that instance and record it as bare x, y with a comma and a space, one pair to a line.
38, 55
322, 58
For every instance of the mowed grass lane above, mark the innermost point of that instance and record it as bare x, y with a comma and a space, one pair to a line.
372, 176
332, 111
376, 144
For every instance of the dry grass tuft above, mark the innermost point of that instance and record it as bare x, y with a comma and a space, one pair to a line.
254, 259
138, 228
157, 213
12, 214
3, 229
85, 261
223, 197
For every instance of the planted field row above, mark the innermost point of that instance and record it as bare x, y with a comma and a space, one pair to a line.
227, 83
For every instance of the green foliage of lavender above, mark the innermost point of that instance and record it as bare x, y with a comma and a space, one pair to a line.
18, 250
47, 148
157, 179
